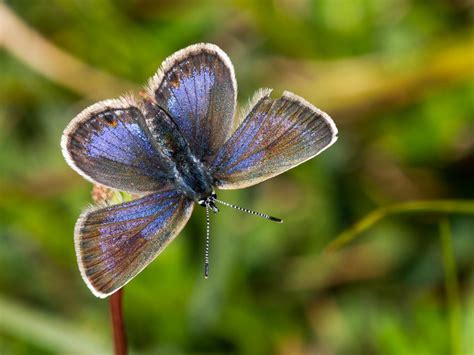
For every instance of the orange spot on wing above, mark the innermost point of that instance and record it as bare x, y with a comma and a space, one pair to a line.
110, 120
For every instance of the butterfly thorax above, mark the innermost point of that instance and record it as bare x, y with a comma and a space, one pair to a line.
193, 179
186, 171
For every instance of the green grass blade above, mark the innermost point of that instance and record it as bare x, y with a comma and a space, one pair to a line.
433, 206
452, 287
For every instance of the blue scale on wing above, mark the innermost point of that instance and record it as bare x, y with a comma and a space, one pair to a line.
101, 142
115, 148
115, 243
136, 210
189, 101
245, 155
275, 136
198, 90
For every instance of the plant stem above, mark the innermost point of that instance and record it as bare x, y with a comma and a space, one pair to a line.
104, 195
116, 311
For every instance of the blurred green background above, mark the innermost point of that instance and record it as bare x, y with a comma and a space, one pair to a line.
396, 76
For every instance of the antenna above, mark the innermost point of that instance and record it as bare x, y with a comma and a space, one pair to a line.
206, 252
263, 215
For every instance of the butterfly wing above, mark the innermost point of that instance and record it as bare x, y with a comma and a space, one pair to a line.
115, 243
109, 143
275, 136
197, 87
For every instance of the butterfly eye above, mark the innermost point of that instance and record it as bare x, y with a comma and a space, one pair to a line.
202, 203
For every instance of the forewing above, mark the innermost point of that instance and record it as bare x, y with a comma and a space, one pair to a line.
115, 243
275, 136
109, 143
197, 87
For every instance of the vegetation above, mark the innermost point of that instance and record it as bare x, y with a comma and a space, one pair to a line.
376, 252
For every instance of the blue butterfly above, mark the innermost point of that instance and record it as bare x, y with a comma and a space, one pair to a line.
174, 148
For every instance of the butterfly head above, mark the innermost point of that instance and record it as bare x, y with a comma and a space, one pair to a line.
209, 202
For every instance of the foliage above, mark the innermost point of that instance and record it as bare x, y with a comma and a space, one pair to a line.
397, 78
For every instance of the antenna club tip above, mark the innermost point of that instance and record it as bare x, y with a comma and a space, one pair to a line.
206, 277
274, 219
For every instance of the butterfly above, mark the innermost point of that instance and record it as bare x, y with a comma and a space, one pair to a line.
174, 147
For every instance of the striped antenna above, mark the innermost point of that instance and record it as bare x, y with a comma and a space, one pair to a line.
208, 239
263, 215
